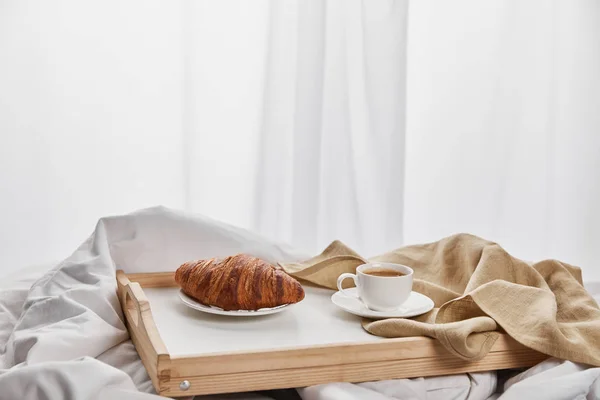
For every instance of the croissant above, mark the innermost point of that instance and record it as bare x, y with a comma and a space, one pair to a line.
239, 282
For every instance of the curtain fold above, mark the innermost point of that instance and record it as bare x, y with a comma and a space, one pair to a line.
502, 128
378, 125
331, 154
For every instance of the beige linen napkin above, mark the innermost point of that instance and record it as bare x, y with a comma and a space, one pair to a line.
479, 289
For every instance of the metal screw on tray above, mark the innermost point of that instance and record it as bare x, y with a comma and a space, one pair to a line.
184, 385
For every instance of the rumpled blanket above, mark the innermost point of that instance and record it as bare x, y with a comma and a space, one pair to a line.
479, 289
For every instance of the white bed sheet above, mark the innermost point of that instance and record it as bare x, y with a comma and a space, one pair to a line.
62, 336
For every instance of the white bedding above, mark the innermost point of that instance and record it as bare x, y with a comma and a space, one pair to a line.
62, 335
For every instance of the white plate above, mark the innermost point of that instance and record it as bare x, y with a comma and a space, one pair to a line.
416, 304
188, 301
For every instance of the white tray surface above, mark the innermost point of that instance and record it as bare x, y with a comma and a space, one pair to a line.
312, 322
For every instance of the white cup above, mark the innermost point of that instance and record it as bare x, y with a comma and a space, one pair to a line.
380, 293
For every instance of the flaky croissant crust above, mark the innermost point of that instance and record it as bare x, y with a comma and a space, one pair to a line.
239, 282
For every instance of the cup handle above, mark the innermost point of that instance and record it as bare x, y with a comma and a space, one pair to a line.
341, 279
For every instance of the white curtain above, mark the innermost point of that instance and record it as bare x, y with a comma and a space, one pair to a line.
295, 118
376, 122
331, 154
90, 119
501, 138
503, 126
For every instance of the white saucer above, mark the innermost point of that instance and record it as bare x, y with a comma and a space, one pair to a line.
188, 301
416, 304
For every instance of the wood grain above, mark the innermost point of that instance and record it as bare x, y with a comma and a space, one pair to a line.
142, 329
335, 354
293, 367
153, 279
359, 372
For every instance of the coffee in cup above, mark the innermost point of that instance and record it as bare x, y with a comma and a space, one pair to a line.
383, 272
380, 286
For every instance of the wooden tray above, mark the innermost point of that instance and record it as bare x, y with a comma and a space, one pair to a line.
187, 352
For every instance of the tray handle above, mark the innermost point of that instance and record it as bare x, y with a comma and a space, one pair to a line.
137, 311
136, 303
143, 332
